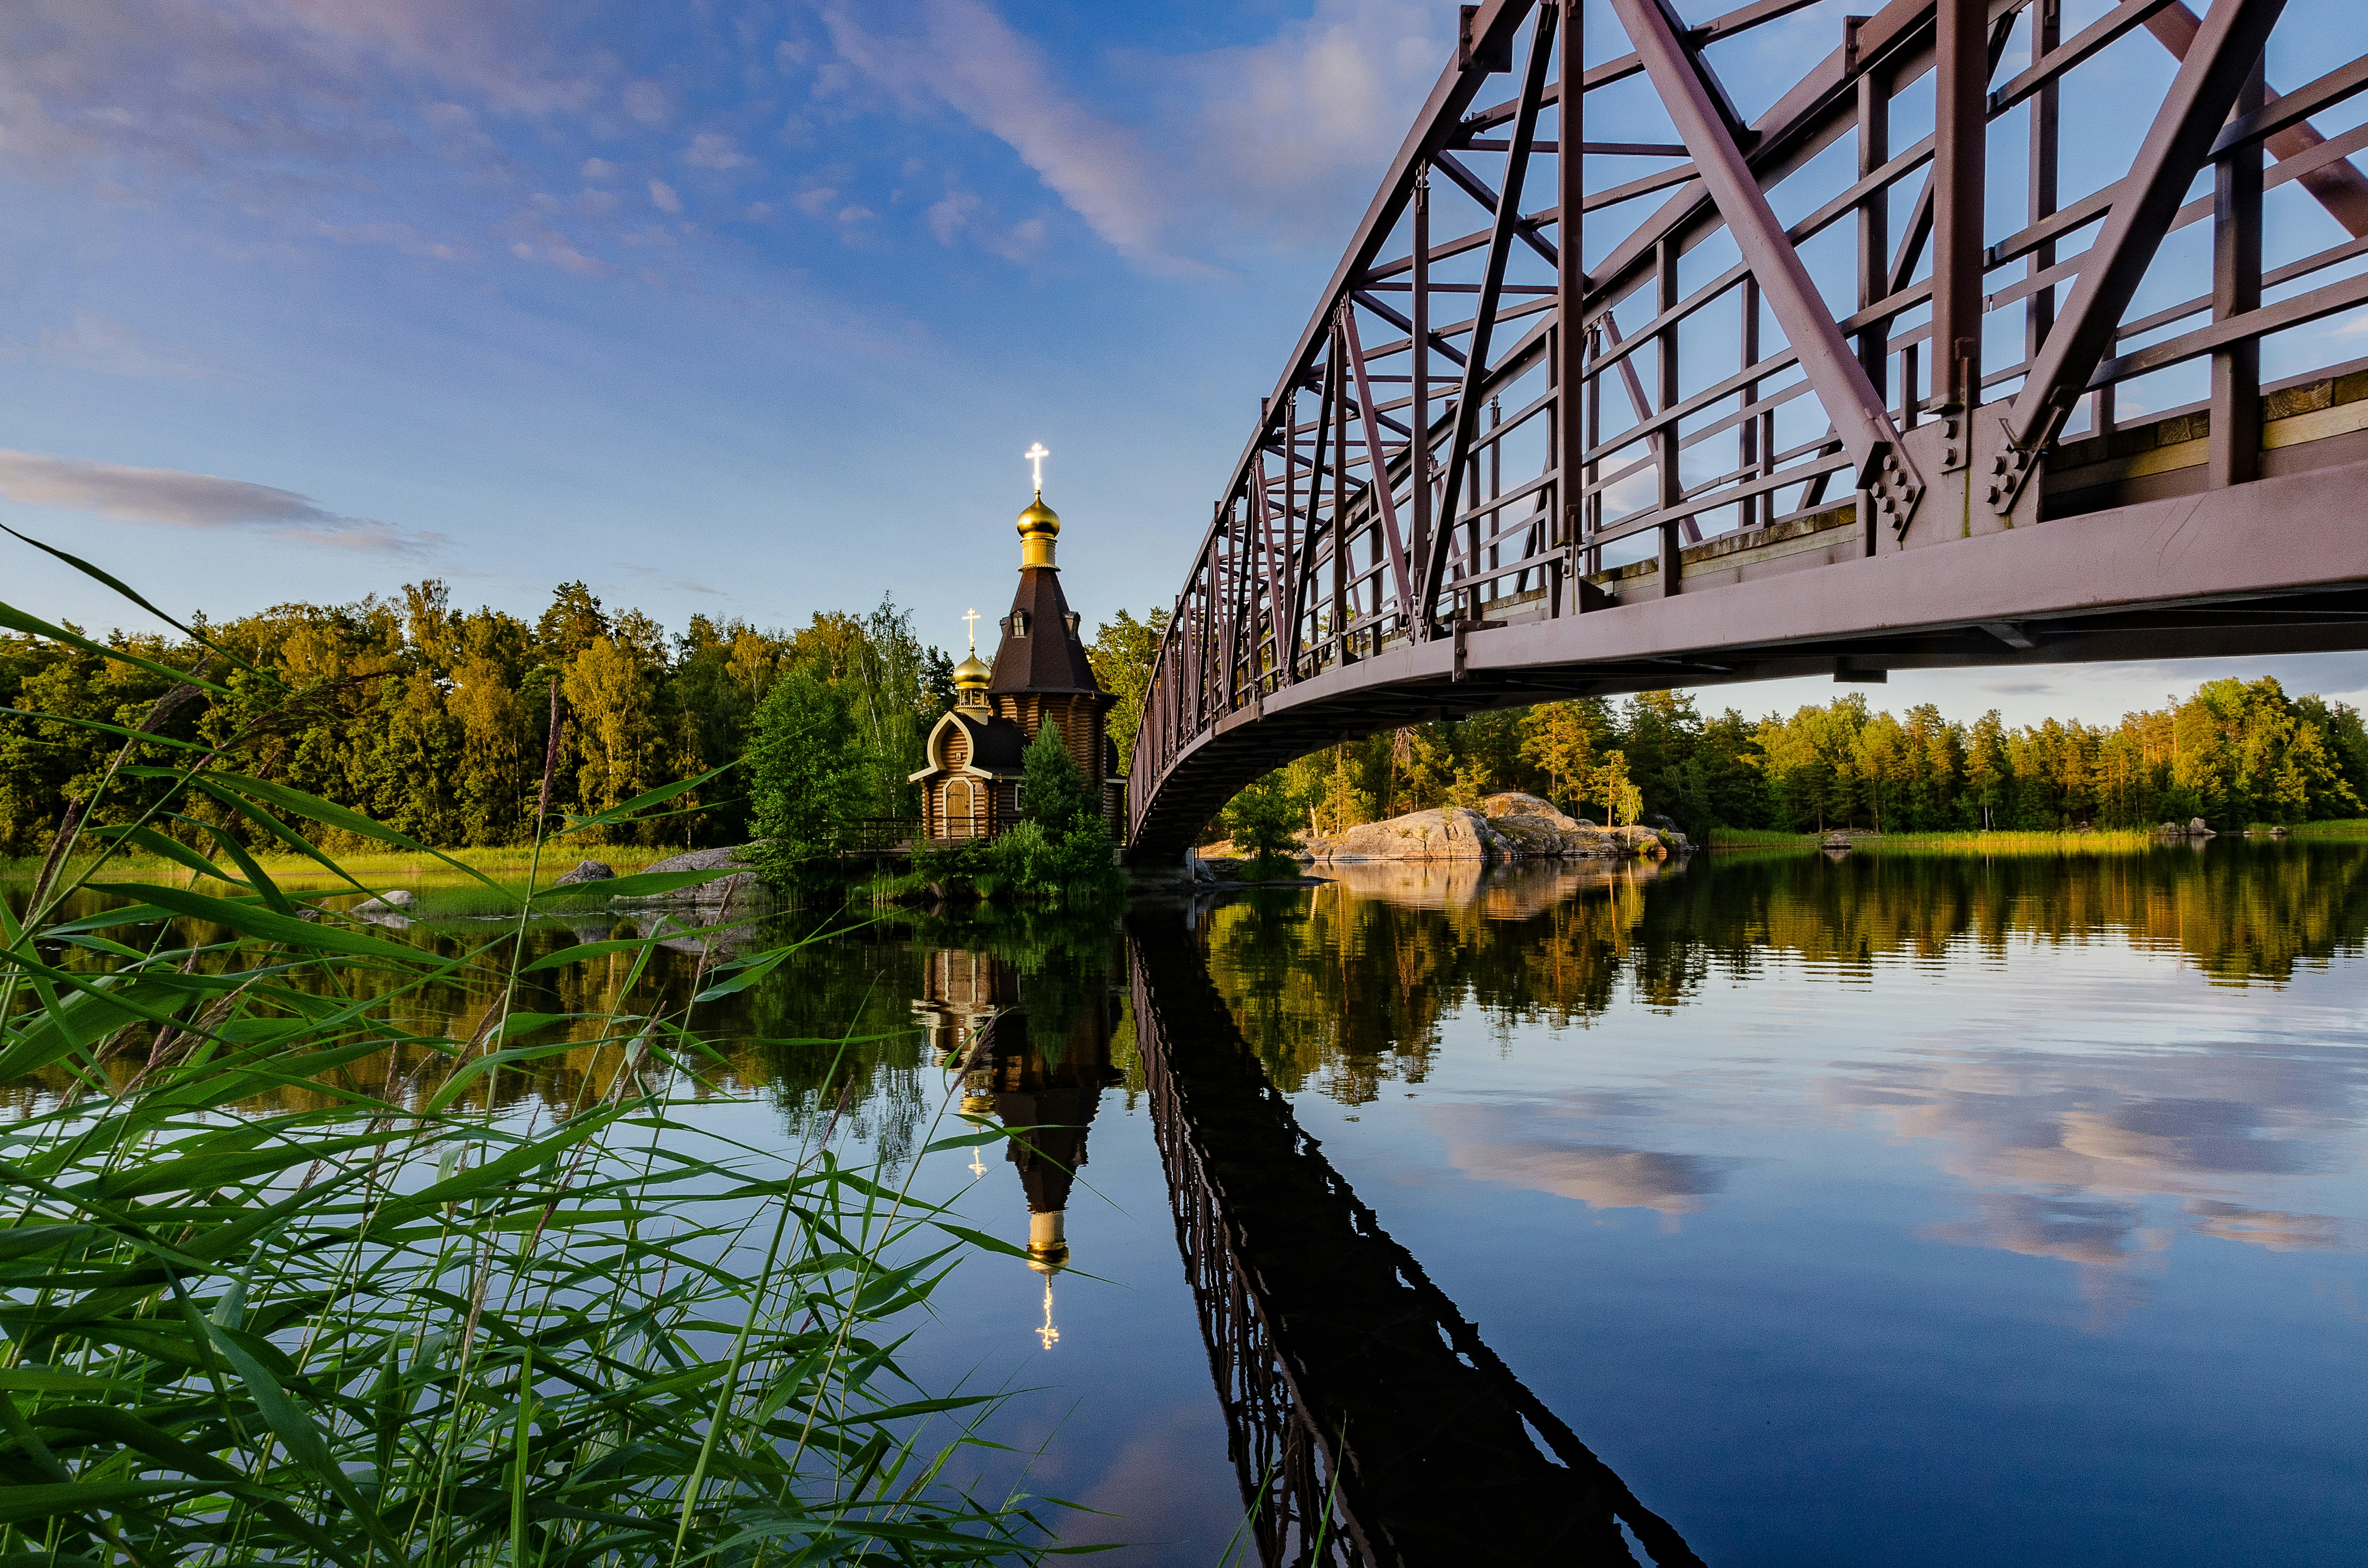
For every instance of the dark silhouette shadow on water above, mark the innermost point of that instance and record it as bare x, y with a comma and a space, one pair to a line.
1368, 1423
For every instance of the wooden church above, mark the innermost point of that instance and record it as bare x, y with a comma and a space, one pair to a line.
1041, 676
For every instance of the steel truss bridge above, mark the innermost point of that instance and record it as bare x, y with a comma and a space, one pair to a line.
1812, 407
1369, 1424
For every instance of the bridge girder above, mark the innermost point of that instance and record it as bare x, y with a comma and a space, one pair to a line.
1435, 517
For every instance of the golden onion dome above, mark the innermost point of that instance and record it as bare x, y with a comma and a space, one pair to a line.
1040, 526
1039, 518
972, 669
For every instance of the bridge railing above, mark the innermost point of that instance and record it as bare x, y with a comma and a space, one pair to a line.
1537, 381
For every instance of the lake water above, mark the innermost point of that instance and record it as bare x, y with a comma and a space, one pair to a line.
1902, 1209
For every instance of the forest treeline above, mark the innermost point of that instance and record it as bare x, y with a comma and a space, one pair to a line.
438, 722
2232, 752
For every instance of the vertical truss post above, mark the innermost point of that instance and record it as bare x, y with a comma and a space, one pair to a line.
1472, 565
1241, 605
1665, 397
1484, 317
1568, 372
1303, 584
1590, 558
1860, 421
1204, 637
1419, 457
1873, 221
1873, 256
2210, 78
2039, 308
1746, 434
1960, 139
2236, 452
1339, 529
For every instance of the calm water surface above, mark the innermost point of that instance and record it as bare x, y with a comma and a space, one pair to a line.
1888, 1210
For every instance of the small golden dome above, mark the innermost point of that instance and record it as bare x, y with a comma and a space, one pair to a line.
970, 682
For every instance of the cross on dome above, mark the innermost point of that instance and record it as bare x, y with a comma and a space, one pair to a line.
1036, 454
972, 619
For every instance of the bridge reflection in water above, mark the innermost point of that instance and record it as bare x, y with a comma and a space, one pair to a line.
1367, 1422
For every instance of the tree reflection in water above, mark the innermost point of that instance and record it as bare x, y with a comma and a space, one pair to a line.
1342, 990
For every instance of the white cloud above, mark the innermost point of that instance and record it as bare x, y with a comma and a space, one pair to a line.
601, 171
950, 217
542, 244
962, 53
1291, 134
1021, 242
173, 84
646, 101
709, 150
961, 212
401, 236
663, 196
171, 498
112, 347
1276, 143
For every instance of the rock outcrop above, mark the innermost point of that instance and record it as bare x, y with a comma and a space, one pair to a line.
1451, 833
739, 893
1510, 826
724, 860
589, 871
388, 903
1542, 832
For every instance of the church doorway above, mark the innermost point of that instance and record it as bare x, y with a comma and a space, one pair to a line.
961, 808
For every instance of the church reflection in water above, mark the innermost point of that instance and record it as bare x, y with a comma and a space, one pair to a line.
1368, 1423
1040, 1068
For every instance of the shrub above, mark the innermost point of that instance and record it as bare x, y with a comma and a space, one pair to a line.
807, 778
1263, 820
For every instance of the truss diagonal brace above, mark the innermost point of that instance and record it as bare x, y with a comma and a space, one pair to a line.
1860, 419
2176, 146
1377, 460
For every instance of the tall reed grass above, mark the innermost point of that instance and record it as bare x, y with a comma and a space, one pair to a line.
394, 1329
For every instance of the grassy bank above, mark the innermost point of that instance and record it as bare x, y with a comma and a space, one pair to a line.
2342, 827
382, 867
2116, 841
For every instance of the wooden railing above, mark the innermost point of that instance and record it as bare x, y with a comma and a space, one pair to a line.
879, 836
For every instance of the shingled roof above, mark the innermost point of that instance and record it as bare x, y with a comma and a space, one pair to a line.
996, 744
1047, 656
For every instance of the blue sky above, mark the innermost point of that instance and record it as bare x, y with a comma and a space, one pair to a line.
745, 307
